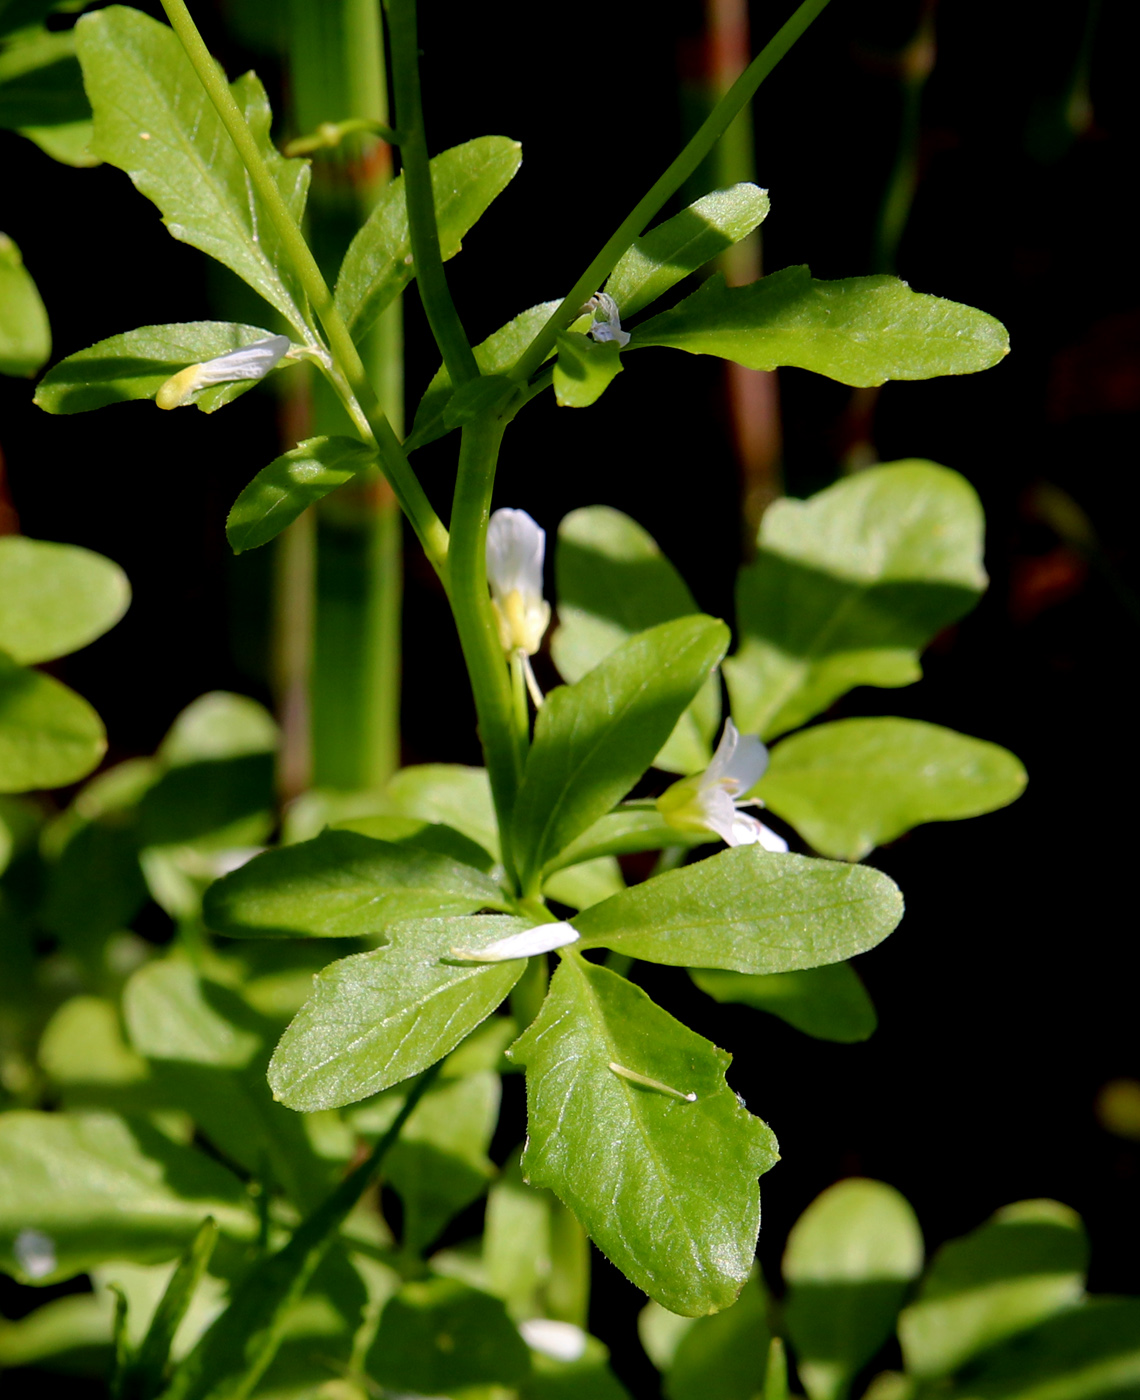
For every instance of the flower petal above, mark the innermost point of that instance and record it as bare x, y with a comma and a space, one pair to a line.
542, 939
516, 548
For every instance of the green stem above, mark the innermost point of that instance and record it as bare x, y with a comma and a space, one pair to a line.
475, 622
431, 279
348, 377
522, 712
711, 130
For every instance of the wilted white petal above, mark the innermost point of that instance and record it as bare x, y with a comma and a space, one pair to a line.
609, 328
35, 1253
543, 939
561, 1341
248, 362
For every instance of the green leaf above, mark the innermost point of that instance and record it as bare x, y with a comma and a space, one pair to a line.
613, 581
624, 832
859, 330
665, 1186
49, 736
594, 739
69, 143
378, 264
147, 1369
827, 1002
584, 369
661, 258
848, 587
96, 886
494, 356
288, 485
723, 1357
748, 910
587, 1378
154, 120
21, 14
440, 1165
859, 783
426, 836
207, 1051
72, 1333
237, 1350
1087, 1353
441, 1335
342, 885
25, 335
1026, 1263
100, 1188
136, 364
40, 81
378, 1018
449, 793
57, 598
848, 1263
585, 883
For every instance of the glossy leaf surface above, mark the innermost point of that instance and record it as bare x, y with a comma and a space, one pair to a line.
494, 355
827, 1002
288, 485
613, 581
154, 121
428, 836
1023, 1265
660, 258
25, 336
378, 264
378, 1018
49, 736
665, 1187
594, 739
860, 330
859, 783
57, 598
136, 364
440, 1336
450, 793
848, 1263
342, 885
748, 910
848, 587
584, 369
100, 1188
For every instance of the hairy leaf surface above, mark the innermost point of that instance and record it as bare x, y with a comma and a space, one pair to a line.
859, 783
154, 120
378, 1018
748, 910
665, 1187
342, 885
594, 739
859, 330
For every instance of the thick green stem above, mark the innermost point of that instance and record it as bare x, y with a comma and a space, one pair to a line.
475, 622
348, 376
430, 276
711, 130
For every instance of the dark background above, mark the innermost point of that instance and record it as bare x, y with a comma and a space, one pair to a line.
1008, 996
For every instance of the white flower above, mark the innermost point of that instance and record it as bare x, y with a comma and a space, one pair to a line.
561, 1341
607, 326
35, 1253
709, 801
516, 548
543, 939
249, 362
